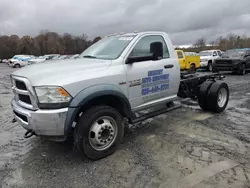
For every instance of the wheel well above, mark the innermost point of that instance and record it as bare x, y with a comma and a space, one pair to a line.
109, 100
210, 61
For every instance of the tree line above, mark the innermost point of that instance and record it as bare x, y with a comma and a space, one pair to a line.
53, 43
45, 43
230, 41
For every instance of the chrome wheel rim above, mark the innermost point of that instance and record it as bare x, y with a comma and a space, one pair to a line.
102, 133
222, 97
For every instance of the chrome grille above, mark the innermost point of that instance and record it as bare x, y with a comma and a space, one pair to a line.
24, 93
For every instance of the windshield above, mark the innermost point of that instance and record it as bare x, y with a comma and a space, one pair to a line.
108, 48
234, 53
205, 53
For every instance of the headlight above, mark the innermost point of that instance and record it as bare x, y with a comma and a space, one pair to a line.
52, 97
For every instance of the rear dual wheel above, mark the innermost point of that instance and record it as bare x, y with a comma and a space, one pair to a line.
214, 96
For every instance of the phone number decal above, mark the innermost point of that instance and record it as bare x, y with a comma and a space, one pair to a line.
155, 89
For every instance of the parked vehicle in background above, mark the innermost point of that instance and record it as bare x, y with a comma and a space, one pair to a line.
63, 57
101, 92
235, 60
55, 57
37, 60
74, 56
50, 56
20, 60
4, 60
207, 58
188, 61
191, 54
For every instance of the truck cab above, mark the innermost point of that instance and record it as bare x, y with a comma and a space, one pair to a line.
188, 61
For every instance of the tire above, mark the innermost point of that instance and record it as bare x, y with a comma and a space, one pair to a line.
192, 68
17, 66
218, 97
202, 96
242, 69
103, 121
210, 66
214, 70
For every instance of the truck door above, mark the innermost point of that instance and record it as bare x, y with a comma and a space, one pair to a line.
182, 60
151, 82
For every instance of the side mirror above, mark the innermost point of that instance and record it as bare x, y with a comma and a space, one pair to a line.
156, 48
214, 55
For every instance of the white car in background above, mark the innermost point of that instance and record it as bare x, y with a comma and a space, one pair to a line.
20, 60
207, 58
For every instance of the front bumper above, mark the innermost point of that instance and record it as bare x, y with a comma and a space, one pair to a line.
225, 67
41, 122
204, 64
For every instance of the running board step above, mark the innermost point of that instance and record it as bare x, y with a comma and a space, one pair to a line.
155, 113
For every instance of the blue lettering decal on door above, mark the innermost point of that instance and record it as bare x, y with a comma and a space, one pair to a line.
155, 82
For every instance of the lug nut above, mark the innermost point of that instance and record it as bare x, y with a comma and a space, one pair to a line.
111, 130
100, 133
101, 140
99, 137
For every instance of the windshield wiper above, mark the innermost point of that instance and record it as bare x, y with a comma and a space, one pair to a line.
89, 56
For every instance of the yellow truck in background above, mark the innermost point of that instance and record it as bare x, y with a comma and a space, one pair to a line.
188, 60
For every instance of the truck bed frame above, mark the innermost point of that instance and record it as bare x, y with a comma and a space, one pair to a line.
190, 83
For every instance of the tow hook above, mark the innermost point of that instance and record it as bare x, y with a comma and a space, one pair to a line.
29, 134
13, 120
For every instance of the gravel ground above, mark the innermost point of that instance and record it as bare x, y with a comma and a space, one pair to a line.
184, 148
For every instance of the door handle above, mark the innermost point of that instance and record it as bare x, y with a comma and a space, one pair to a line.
168, 66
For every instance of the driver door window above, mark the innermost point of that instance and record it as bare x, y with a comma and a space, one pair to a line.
142, 48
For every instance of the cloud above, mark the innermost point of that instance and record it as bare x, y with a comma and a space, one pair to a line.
184, 20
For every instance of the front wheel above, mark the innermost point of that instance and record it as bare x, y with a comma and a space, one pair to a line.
192, 68
242, 69
210, 66
99, 131
17, 66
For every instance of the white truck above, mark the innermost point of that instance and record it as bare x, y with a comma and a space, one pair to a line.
94, 96
207, 58
19, 61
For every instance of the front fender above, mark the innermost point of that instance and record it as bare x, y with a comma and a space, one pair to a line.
88, 94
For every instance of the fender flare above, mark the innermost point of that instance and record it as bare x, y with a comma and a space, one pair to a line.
90, 93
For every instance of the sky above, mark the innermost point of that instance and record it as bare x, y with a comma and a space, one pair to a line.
184, 20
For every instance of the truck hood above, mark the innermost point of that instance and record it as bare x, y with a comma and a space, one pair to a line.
205, 57
61, 72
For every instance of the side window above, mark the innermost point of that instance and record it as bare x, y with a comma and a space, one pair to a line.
142, 48
180, 55
215, 53
220, 54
